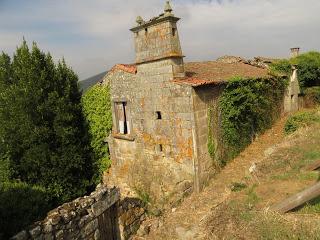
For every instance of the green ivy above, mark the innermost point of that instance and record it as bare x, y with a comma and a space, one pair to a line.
97, 109
247, 108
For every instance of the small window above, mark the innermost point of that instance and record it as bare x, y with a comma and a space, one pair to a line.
121, 112
146, 30
159, 148
174, 30
158, 115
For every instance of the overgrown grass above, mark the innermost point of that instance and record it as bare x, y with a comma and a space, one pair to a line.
301, 119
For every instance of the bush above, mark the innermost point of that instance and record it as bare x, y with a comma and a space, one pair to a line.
308, 65
248, 107
97, 109
301, 119
312, 95
282, 66
308, 69
20, 206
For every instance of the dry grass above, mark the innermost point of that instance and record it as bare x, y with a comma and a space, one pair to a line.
221, 212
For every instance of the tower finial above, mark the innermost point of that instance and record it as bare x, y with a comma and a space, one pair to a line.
167, 8
139, 20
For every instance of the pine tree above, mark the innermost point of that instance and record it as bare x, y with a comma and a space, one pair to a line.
42, 128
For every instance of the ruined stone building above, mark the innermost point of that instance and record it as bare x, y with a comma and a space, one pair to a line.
160, 111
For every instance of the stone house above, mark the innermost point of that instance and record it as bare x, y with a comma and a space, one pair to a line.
160, 104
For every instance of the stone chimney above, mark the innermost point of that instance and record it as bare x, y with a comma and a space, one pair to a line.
294, 52
158, 39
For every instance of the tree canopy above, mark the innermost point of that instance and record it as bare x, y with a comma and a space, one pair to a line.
308, 65
43, 134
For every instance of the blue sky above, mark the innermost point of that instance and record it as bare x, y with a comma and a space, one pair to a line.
93, 35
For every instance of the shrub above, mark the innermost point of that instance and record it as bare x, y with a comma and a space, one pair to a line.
308, 69
97, 110
312, 95
299, 120
20, 206
282, 66
308, 65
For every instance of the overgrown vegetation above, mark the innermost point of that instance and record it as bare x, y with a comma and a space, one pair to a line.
248, 107
45, 155
97, 110
308, 65
301, 119
281, 174
312, 95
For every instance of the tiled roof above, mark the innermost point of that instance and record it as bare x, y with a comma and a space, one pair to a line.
212, 72
130, 68
205, 73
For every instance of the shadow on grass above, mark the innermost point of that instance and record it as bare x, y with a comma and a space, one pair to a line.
20, 206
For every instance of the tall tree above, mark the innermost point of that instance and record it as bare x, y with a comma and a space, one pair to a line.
42, 128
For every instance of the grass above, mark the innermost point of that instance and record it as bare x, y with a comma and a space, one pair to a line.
281, 174
301, 119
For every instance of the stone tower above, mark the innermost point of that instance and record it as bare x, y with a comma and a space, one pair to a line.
157, 40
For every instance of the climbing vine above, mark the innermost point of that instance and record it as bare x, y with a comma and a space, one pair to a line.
247, 108
97, 110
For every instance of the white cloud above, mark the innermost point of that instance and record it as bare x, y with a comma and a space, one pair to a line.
94, 35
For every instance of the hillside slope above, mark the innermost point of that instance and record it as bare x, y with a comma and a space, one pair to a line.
234, 204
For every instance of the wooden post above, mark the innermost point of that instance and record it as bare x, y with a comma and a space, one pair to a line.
313, 166
297, 200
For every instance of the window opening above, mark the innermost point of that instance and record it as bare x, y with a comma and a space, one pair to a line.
122, 118
158, 115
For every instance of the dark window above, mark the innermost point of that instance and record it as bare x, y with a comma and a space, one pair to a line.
174, 30
159, 148
158, 115
146, 30
123, 124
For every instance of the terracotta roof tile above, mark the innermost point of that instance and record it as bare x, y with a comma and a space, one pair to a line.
130, 68
212, 72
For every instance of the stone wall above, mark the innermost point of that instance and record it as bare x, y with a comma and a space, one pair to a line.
291, 95
97, 216
203, 99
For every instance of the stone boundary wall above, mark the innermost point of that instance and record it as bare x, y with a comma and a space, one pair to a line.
81, 218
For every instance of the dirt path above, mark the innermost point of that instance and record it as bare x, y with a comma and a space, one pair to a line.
186, 221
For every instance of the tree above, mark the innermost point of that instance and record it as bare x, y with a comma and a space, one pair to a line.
308, 69
308, 65
42, 128
97, 110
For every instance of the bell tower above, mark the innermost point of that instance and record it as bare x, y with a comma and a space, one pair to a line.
158, 39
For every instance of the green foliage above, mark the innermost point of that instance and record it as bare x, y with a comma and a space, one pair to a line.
20, 206
308, 69
238, 186
313, 94
282, 66
248, 107
97, 109
301, 119
308, 65
42, 129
